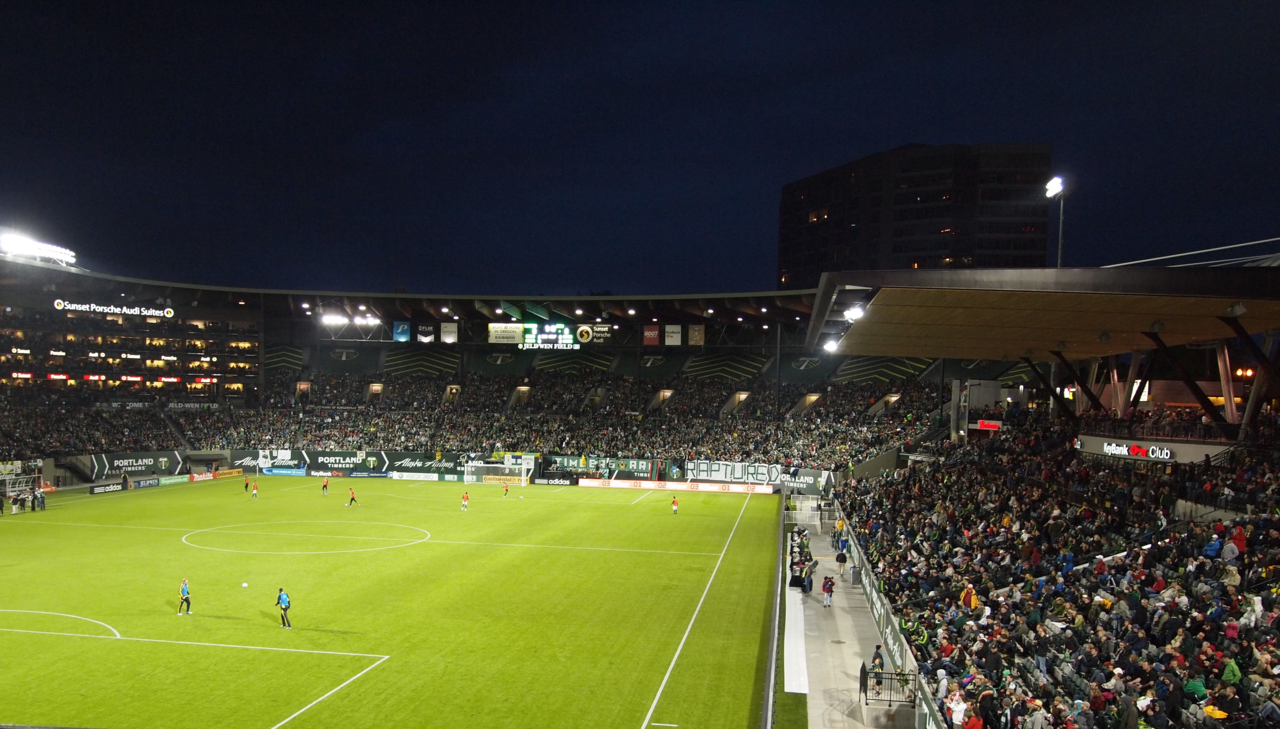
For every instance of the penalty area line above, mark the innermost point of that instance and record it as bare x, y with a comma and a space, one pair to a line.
333, 691
696, 610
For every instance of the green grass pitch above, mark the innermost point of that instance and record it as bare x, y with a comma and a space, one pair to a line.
564, 608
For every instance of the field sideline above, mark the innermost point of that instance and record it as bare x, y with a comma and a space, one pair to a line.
569, 607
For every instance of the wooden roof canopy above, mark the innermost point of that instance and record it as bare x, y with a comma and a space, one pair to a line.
1008, 314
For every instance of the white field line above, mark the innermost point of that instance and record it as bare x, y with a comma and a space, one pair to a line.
318, 536
295, 715
644, 724
96, 498
499, 498
641, 498
331, 693
108, 526
65, 615
561, 546
562, 488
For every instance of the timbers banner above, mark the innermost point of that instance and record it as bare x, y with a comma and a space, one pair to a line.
771, 474
626, 468
158, 463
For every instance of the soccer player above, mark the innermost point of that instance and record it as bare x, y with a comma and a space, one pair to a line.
505, 490
255, 490
184, 595
282, 600
675, 506
465, 498
246, 484
353, 497
324, 488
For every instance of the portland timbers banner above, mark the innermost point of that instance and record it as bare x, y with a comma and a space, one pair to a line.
350, 462
630, 469
162, 463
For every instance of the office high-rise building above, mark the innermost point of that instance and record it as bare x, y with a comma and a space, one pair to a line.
918, 206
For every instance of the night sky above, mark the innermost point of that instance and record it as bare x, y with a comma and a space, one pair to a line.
572, 148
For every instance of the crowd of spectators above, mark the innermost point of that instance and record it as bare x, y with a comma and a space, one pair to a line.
1028, 602
30, 431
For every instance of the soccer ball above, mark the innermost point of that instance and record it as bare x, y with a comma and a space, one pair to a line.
244, 584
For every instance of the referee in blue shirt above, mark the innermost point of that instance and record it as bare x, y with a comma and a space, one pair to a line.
282, 600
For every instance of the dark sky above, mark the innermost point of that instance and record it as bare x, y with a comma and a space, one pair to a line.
567, 148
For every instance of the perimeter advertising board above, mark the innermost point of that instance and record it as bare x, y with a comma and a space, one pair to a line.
627, 468
719, 488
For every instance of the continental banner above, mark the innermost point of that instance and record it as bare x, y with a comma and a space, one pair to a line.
717, 488
151, 463
229, 473
774, 475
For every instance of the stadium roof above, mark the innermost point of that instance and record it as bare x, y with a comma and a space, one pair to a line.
1008, 314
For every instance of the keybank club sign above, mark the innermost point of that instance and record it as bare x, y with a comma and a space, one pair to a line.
1149, 450
63, 305
1133, 450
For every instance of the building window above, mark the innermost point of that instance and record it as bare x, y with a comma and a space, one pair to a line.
818, 215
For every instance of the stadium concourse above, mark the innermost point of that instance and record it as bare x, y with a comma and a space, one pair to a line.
1061, 490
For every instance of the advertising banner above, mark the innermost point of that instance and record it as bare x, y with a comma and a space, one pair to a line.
336, 473
229, 473
594, 333
651, 334
449, 332
416, 476
719, 488
285, 471
369, 474
697, 335
106, 488
426, 333
506, 332
400, 331
203, 476
166, 480
145, 483
114, 464
672, 335
263, 459
772, 474
570, 481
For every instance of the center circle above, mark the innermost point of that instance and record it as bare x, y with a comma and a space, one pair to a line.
407, 541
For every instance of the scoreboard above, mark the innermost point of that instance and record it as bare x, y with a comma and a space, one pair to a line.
548, 336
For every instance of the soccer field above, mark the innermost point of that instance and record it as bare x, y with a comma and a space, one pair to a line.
569, 607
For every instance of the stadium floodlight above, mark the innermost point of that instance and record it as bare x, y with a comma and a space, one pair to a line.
305, 305
1054, 188
632, 312
764, 310
854, 313
366, 321
711, 311
334, 319
444, 309
1057, 189
361, 307
578, 312
13, 243
830, 346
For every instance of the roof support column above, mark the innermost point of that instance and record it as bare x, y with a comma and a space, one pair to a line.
1263, 383
1266, 364
1071, 372
1224, 380
1062, 404
1135, 361
1196, 392
1117, 396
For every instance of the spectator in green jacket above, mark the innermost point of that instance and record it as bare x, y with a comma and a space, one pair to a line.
1231, 673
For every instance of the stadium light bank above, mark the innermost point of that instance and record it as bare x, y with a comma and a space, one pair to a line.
13, 243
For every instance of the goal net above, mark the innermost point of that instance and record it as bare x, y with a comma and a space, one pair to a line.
516, 472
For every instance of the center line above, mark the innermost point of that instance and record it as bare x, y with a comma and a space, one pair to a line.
696, 610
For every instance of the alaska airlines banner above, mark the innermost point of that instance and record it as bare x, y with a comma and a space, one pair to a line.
164, 463
350, 461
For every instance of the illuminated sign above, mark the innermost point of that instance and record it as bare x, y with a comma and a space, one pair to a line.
988, 425
426, 333
506, 332
207, 380
61, 305
97, 354
95, 378
168, 358
21, 375
1126, 450
548, 336
400, 331
130, 378
449, 332
598, 333
52, 376
169, 379
17, 350
126, 355
57, 353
